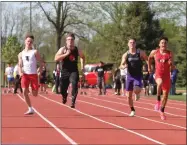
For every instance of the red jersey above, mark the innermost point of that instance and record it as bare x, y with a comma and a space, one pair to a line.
161, 63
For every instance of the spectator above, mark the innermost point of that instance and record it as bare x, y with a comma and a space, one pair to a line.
9, 73
116, 79
174, 74
17, 79
56, 77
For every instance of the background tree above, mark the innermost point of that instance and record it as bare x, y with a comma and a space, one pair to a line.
132, 19
180, 58
103, 28
11, 49
61, 19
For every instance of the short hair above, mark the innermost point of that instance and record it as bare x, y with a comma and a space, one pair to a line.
29, 36
101, 62
132, 39
70, 35
163, 38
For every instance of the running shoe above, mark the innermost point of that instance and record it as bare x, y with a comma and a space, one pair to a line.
162, 116
157, 106
132, 113
29, 112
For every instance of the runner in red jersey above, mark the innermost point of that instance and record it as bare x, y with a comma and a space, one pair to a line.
163, 64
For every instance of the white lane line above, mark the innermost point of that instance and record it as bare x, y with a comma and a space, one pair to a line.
139, 107
135, 115
135, 106
54, 126
143, 98
149, 103
177, 102
169, 100
117, 126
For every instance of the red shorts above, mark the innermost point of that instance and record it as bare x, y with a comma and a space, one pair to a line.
166, 82
27, 79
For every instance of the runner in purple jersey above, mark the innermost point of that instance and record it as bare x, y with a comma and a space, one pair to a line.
132, 59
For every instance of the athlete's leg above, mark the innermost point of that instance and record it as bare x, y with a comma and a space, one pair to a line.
165, 87
25, 80
34, 84
137, 87
64, 83
74, 79
129, 91
159, 82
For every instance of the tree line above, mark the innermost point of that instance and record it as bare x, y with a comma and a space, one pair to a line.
102, 29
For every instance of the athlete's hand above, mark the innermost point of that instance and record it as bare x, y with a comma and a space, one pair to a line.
170, 62
68, 51
21, 74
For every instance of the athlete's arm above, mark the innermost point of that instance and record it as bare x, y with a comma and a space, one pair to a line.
20, 64
151, 56
38, 58
82, 59
60, 55
123, 61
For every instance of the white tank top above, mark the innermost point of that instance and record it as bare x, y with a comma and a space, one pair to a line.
29, 62
123, 72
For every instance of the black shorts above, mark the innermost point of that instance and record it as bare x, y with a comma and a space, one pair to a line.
123, 79
43, 80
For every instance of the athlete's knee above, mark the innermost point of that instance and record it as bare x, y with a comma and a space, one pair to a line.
137, 89
165, 94
25, 91
34, 93
159, 82
74, 84
129, 94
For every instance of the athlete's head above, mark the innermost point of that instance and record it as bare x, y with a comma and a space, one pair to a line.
101, 63
70, 38
132, 43
29, 41
163, 43
8, 64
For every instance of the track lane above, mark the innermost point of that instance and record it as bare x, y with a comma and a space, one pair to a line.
20, 129
130, 138
150, 129
142, 113
179, 112
181, 104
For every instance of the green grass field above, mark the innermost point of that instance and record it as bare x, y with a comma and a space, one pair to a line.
178, 97
182, 88
175, 97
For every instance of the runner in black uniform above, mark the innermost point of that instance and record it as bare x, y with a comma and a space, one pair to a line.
69, 73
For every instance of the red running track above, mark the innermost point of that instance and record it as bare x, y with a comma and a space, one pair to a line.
96, 120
